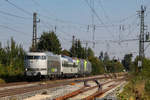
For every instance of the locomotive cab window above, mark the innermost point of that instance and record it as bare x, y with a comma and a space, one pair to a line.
35, 57
29, 57
43, 57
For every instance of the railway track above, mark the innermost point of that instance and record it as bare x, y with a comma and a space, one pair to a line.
13, 84
25, 82
85, 89
34, 82
14, 91
98, 94
39, 86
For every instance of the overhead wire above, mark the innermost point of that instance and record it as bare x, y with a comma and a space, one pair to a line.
35, 2
47, 25
60, 31
15, 30
104, 11
131, 31
93, 10
106, 16
100, 20
19, 8
13, 15
55, 19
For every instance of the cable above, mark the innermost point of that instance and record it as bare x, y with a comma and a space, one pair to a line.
13, 29
9, 14
131, 31
106, 15
93, 10
55, 19
47, 25
35, 2
19, 8
60, 31
126, 18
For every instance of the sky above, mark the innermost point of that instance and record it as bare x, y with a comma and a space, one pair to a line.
114, 21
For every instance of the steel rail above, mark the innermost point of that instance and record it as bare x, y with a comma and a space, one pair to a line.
81, 90
100, 93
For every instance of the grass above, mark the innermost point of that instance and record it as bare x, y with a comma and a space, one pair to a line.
2, 81
135, 88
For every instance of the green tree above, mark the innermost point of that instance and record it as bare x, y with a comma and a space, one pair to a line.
127, 61
77, 50
11, 61
90, 52
101, 56
106, 57
118, 67
49, 42
97, 66
15, 57
73, 51
65, 52
107, 62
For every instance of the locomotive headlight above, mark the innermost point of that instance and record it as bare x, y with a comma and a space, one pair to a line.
26, 69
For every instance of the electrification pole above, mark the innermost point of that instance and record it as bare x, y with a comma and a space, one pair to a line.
86, 52
93, 25
34, 37
73, 45
141, 37
142, 26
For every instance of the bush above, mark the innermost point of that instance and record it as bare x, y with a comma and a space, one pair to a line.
147, 86
2, 81
11, 62
97, 66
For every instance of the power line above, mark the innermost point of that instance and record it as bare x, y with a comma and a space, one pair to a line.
35, 2
19, 8
47, 25
9, 14
126, 18
60, 31
55, 19
106, 15
62, 21
3, 26
93, 10
112, 41
133, 29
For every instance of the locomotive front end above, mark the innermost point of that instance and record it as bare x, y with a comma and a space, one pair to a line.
35, 64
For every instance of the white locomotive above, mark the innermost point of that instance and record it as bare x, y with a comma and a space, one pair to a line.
48, 64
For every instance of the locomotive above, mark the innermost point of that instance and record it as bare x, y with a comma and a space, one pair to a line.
47, 64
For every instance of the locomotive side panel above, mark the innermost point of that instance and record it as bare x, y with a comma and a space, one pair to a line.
84, 67
69, 66
81, 69
54, 65
89, 68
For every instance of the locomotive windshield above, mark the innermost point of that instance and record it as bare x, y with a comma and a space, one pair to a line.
35, 57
